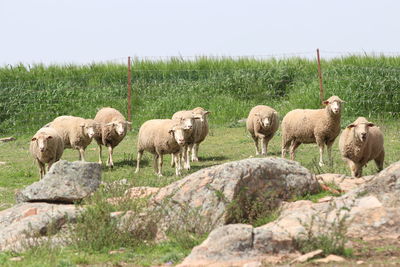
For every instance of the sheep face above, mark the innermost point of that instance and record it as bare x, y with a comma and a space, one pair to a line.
178, 132
89, 129
187, 123
120, 127
41, 141
334, 103
360, 129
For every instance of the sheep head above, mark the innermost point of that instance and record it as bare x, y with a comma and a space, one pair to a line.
360, 129
120, 127
89, 127
201, 113
177, 131
334, 104
41, 141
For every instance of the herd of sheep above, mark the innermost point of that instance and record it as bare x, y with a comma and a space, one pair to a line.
359, 143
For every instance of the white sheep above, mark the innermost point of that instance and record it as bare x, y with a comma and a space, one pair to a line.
320, 126
262, 123
188, 119
360, 143
77, 133
112, 129
200, 130
160, 137
46, 146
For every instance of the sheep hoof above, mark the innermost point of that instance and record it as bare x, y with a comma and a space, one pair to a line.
137, 171
159, 174
321, 164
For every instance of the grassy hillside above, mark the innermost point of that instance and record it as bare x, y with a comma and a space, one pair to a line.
30, 96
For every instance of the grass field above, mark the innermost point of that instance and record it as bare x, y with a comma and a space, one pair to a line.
32, 96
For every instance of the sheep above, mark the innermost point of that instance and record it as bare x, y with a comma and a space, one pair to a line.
320, 126
188, 119
361, 142
112, 129
46, 146
161, 137
77, 133
262, 123
200, 130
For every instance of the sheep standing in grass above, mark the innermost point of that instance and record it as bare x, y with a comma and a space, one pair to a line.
188, 119
361, 142
77, 133
112, 129
320, 126
46, 146
200, 131
161, 137
262, 123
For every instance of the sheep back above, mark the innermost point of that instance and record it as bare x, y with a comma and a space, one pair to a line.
155, 138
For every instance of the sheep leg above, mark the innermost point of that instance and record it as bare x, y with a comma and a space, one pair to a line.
321, 146
139, 157
256, 145
195, 152
285, 146
42, 169
155, 163
110, 162
356, 169
379, 161
178, 167
186, 158
100, 161
81, 154
173, 160
160, 163
264, 144
293, 147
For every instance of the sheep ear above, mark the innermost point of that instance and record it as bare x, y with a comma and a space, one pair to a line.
82, 125
196, 116
110, 123
351, 126
370, 124
33, 139
207, 112
128, 122
171, 132
49, 137
326, 102
257, 114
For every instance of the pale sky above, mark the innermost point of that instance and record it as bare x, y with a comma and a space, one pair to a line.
85, 31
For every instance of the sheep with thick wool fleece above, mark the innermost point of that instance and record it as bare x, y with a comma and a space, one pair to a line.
77, 132
262, 123
112, 130
360, 143
46, 146
320, 126
161, 137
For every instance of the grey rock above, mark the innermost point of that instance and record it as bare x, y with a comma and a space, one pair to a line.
66, 182
25, 221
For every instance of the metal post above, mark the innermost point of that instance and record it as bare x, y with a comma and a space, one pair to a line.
321, 89
129, 90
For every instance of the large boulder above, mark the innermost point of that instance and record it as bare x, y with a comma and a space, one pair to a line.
228, 193
66, 182
26, 220
369, 212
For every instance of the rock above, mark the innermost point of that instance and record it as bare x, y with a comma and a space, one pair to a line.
139, 192
344, 183
222, 194
26, 220
2, 163
370, 212
359, 262
66, 182
16, 258
330, 258
307, 256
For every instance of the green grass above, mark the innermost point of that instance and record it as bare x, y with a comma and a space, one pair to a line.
32, 96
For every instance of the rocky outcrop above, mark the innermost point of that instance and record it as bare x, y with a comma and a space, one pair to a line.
66, 182
370, 212
27, 220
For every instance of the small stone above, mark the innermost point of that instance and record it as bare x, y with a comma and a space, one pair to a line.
16, 258
253, 264
359, 262
308, 256
330, 258
2, 163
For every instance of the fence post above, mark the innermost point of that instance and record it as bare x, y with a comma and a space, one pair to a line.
129, 91
321, 89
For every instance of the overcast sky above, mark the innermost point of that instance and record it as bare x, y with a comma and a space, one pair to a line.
83, 31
